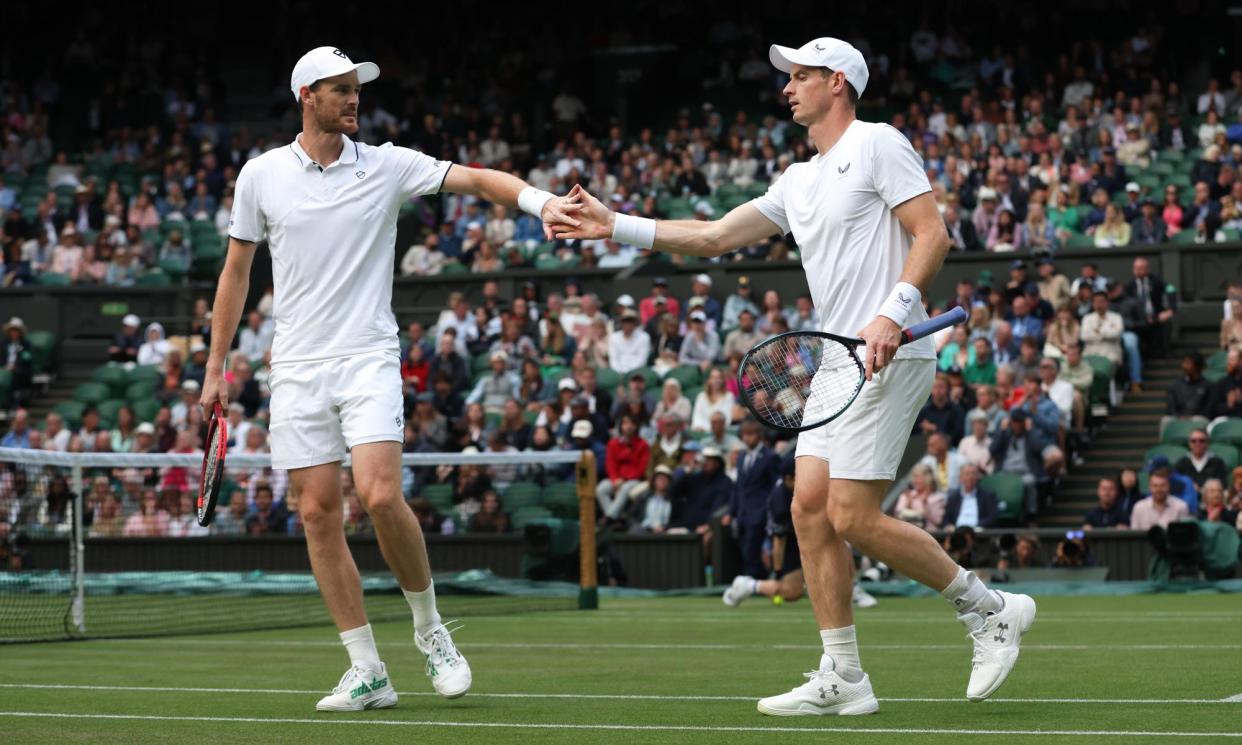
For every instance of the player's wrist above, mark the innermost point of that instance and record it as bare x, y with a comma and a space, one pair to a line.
633, 230
532, 201
900, 302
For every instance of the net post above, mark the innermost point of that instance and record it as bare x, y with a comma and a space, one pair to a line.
588, 589
77, 549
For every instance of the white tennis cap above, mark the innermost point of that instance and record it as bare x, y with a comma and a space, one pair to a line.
327, 62
836, 55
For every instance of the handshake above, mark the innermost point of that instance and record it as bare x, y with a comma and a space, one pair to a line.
577, 216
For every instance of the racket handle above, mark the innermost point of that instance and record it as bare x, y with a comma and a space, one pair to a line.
932, 325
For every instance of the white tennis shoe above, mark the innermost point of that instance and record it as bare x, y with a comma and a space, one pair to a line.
824, 693
864, 599
997, 637
448, 670
742, 588
360, 689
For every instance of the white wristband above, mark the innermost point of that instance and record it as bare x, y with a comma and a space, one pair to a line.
634, 231
532, 200
900, 302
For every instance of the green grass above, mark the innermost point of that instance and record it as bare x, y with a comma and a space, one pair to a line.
1090, 665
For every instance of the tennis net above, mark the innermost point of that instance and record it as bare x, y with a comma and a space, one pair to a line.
106, 544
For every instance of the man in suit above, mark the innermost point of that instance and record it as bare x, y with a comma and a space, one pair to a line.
698, 495
961, 232
1150, 292
970, 505
758, 468
1018, 451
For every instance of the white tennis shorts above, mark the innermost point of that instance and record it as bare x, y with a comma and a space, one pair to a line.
320, 409
867, 441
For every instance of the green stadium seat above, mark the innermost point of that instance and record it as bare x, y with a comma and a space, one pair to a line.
493, 419
527, 515
688, 375
147, 373
53, 279
108, 411
454, 267
1228, 431
548, 262
6, 386
554, 373
139, 390
1173, 452
147, 409
42, 350
91, 393
1079, 240
1010, 495
607, 379
1184, 236
480, 363
692, 393
1102, 369
1177, 431
71, 412
530, 417
114, 376
1228, 453
520, 495
439, 495
1217, 360
153, 278
1169, 155
561, 497
1161, 168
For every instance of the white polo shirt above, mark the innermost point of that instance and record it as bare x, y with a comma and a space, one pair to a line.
839, 208
331, 232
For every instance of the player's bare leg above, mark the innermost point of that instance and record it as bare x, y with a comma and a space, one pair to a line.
365, 685
377, 476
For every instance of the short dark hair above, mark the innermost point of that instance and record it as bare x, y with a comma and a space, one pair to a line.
313, 87
850, 93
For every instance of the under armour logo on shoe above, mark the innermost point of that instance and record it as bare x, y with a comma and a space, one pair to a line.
339, 53
842, 169
1001, 628
824, 694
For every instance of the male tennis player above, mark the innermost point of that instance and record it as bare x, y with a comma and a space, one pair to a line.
328, 208
871, 241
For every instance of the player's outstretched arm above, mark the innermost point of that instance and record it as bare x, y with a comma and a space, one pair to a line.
742, 226
225, 316
499, 187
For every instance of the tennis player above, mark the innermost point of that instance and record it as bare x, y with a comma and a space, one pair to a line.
328, 208
871, 241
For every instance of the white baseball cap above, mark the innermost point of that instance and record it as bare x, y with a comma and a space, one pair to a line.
703, 279
327, 62
836, 55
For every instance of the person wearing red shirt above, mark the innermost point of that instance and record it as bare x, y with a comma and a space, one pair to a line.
659, 289
625, 464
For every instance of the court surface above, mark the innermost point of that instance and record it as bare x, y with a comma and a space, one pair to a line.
688, 670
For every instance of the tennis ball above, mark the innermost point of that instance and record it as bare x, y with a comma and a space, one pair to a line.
777, 600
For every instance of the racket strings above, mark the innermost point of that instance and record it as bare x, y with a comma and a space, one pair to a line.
797, 381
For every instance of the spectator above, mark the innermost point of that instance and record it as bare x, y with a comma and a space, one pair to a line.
736, 303
150, 520
155, 349
125, 344
1007, 233
659, 289
1018, 451
921, 503
758, 467
1231, 327
1114, 231
491, 517
670, 444
19, 361
19, 432
1063, 333
1214, 508
672, 401
1159, 508
55, 436
971, 505
1067, 400
946, 464
713, 399
175, 254
256, 338
975, 448
1101, 330
1188, 396
67, 256
962, 235
496, 387
1201, 465
657, 507
1148, 229
630, 346
743, 336
625, 465
1028, 359
1076, 372
982, 368
1054, 288
449, 362
1110, 512
1023, 323
1226, 396
699, 347
941, 413
1150, 292
698, 495
701, 287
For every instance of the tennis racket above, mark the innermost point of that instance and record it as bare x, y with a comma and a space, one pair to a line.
800, 380
214, 450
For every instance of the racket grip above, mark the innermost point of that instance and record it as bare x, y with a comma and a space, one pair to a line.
932, 325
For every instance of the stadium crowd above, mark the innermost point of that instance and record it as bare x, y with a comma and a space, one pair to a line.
1022, 159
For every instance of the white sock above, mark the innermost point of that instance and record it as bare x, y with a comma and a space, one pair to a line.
360, 644
754, 586
968, 594
841, 647
423, 605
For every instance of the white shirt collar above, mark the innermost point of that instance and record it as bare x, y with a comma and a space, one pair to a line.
349, 153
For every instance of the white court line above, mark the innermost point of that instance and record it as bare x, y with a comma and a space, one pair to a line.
611, 696
620, 727
263, 641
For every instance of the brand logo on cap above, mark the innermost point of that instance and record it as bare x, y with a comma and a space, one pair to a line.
818, 48
339, 53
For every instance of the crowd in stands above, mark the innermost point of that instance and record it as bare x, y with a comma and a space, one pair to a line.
1019, 162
